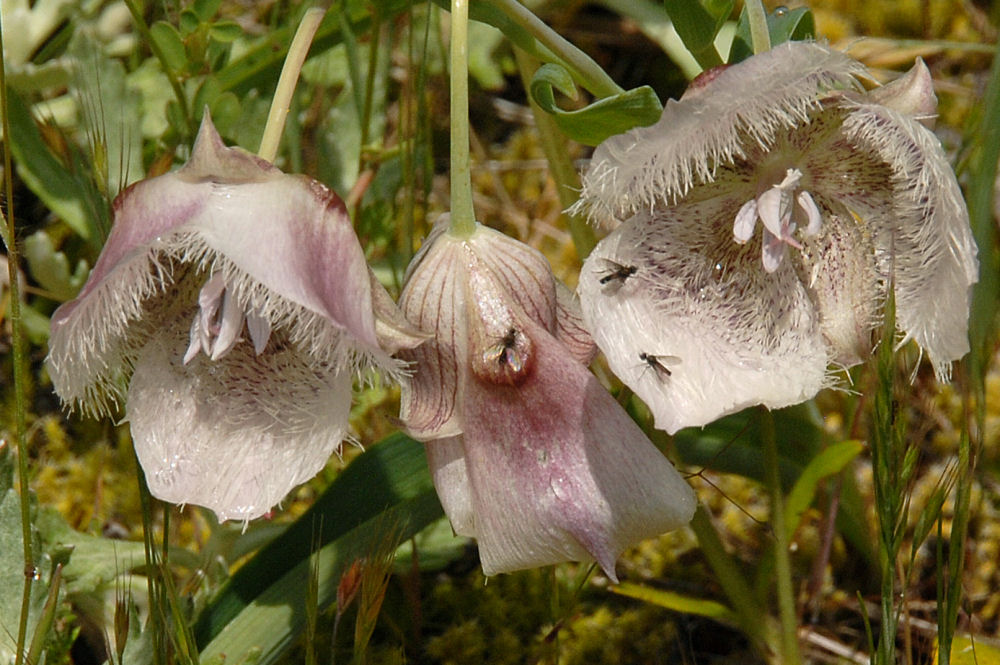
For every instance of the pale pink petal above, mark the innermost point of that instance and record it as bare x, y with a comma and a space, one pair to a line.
575, 480
446, 460
433, 301
234, 435
911, 94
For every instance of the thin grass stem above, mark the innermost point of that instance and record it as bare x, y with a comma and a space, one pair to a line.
20, 363
560, 165
789, 642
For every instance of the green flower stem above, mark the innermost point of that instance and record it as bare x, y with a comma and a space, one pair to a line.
789, 641
140, 24
286, 82
590, 75
19, 361
463, 216
731, 579
759, 34
560, 165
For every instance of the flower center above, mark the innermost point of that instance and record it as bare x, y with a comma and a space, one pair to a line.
219, 322
782, 207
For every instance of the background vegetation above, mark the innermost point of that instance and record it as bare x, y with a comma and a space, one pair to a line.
359, 565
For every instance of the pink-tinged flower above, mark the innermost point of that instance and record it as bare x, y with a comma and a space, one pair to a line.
529, 454
762, 220
230, 310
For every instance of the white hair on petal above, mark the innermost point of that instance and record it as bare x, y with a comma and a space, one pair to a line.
746, 105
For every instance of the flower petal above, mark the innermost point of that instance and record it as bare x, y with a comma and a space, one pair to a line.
234, 435
747, 104
911, 94
572, 481
928, 251
737, 335
446, 460
434, 301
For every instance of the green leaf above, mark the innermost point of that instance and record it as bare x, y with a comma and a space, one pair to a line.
677, 602
698, 25
189, 22
12, 575
206, 9
63, 192
783, 24
51, 268
827, 463
225, 31
170, 44
262, 608
606, 117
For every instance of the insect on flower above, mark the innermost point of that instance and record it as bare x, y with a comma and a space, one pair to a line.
616, 272
505, 352
769, 211
658, 363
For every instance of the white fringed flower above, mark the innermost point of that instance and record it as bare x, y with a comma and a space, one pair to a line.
230, 310
853, 194
529, 454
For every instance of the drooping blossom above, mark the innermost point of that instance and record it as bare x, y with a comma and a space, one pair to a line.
230, 311
530, 455
760, 224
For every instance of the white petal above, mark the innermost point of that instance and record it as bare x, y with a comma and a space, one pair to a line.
234, 435
743, 336
747, 105
926, 241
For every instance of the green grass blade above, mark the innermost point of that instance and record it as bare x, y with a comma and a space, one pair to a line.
262, 607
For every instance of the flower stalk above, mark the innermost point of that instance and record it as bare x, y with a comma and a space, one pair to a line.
590, 74
463, 217
287, 80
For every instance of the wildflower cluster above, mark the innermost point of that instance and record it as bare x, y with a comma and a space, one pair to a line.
757, 230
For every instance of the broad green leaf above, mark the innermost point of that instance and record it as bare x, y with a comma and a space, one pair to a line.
827, 463
51, 268
698, 24
225, 31
677, 602
261, 609
783, 24
206, 9
606, 117
170, 44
